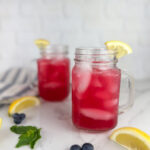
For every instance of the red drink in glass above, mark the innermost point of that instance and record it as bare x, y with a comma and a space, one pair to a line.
53, 76
95, 89
95, 97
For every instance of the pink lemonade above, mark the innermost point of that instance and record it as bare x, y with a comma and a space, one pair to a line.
53, 78
95, 97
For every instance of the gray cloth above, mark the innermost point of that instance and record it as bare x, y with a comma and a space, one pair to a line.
17, 82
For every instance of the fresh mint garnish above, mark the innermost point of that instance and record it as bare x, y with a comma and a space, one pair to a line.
22, 129
37, 137
29, 135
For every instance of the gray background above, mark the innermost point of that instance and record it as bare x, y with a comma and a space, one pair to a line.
76, 23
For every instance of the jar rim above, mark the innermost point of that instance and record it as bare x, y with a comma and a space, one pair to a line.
94, 51
56, 48
96, 55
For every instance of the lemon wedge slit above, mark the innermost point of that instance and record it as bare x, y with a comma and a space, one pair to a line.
131, 138
23, 103
121, 48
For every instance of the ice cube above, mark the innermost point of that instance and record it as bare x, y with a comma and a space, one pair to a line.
84, 81
85, 66
53, 85
96, 82
113, 86
101, 95
113, 81
110, 103
97, 114
56, 60
81, 78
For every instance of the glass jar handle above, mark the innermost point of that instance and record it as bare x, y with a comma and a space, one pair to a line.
130, 102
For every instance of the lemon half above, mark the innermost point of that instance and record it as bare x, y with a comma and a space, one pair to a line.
0, 122
121, 48
23, 103
131, 138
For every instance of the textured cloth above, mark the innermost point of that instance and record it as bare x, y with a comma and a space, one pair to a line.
17, 82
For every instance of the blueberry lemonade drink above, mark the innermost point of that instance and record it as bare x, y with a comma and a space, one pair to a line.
95, 89
53, 73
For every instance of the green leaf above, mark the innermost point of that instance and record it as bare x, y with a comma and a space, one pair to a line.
26, 138
29, 135
22, 129
37, 137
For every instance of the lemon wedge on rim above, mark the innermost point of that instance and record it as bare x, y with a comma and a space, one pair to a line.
23, 103
121, 48
131, 138
42, 43
0, 122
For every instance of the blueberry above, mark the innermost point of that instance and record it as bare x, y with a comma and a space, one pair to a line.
15, 115
17, 121
22, 116
18, 118
75, 147
87, 146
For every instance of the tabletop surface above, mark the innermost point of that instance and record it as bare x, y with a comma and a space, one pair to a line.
58, 132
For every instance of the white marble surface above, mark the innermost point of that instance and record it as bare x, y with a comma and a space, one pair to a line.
58, 133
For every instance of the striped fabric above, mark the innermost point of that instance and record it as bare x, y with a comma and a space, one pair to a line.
15, 83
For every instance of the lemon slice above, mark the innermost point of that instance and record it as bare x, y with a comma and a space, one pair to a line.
42, 44
23, 103
0, 122
121, 48
131, 138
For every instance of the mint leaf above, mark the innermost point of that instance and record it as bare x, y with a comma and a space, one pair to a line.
29, 135
22, 129
26, 138
37, 137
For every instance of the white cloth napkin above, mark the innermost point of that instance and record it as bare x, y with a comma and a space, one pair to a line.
17, 82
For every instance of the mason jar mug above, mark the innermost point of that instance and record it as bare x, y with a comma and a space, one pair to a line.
96, 89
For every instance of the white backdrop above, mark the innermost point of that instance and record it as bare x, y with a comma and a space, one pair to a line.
76, 23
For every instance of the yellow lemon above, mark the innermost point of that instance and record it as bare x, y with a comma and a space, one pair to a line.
0, 122
121, 48
42, 43
23, 103
131, 138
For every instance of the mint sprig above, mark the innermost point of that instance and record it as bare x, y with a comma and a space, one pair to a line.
29, 135
22, 129
36, 138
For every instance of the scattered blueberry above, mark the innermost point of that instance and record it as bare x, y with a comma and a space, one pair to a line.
22, 116
17, 121
75, 147
15, 115
87, 146
18, 118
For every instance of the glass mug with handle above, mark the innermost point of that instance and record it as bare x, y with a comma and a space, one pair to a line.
96, 89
